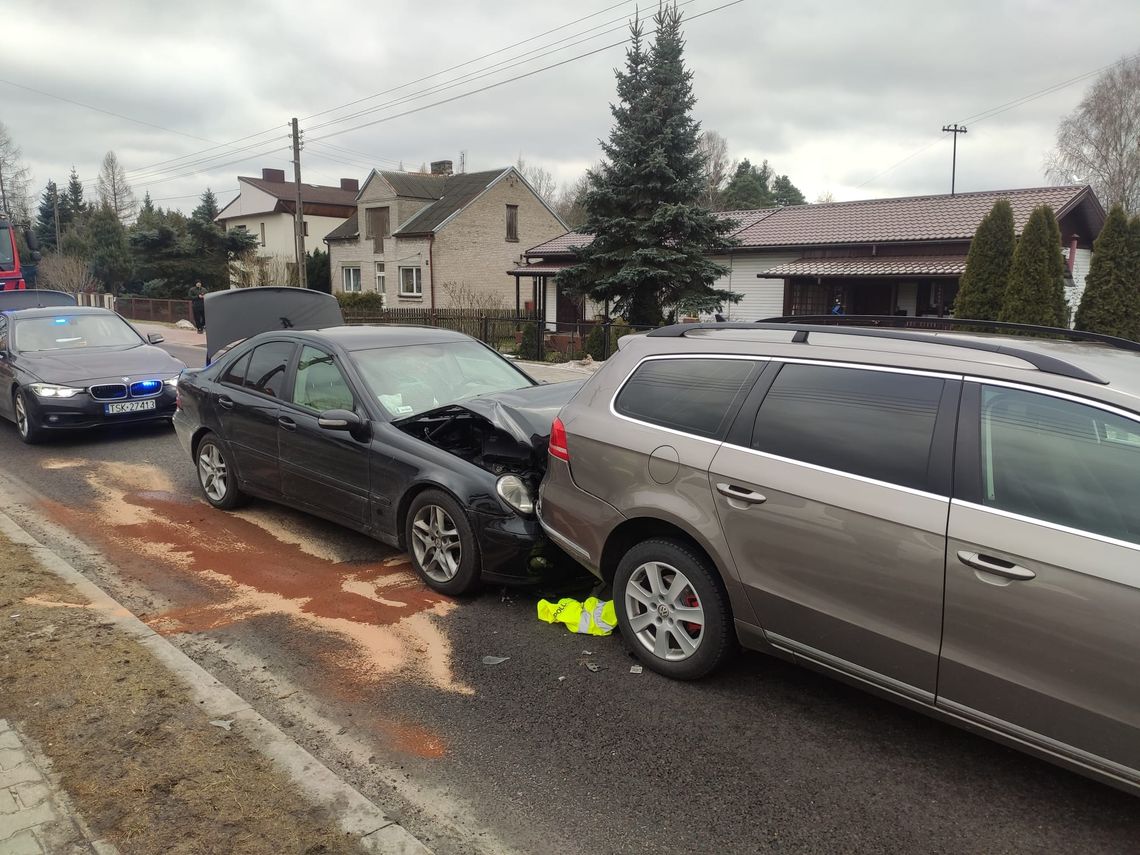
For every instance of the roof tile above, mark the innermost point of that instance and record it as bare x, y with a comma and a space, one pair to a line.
897, 265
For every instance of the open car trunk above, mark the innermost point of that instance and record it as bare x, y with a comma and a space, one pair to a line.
234, 315
502, 432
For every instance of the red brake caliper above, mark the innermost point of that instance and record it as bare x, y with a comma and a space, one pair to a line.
691, 601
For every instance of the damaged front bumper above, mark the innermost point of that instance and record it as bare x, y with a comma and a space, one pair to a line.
515, 550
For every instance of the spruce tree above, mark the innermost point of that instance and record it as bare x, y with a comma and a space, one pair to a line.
982, 288
1109, 303
1036, 290
110, 254
45, 217
652, 238
748, 188
72, 206
208, 206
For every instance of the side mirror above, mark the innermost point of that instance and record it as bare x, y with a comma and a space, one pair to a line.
155, 338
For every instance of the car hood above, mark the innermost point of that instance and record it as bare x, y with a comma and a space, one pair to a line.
242, 313
525, 414
83, 365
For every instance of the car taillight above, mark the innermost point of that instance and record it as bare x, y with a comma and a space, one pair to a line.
558, 441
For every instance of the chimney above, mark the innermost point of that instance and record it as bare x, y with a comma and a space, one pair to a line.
350, 184
441, 167
1072, 251
277, 175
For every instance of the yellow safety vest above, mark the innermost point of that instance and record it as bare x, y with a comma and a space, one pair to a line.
592, 617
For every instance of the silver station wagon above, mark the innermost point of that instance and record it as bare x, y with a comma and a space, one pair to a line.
949, 519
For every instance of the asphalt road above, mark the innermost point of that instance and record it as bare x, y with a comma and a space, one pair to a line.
324, 632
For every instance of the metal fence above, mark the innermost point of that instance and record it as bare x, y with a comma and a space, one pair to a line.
522, 336
144, 309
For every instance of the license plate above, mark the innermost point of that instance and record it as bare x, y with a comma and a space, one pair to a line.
128, 407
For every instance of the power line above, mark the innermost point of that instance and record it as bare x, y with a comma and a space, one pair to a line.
468, 62
101, 110
502, 82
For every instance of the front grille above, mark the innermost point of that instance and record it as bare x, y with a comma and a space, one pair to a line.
145, 388
109, 391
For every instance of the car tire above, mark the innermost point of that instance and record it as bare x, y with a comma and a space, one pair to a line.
651, 611
25, 419
217, 477
441, 544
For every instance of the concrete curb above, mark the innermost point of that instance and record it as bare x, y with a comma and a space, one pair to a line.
354, 813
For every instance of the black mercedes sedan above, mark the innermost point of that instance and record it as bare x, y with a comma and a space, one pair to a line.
65, 367
425, 439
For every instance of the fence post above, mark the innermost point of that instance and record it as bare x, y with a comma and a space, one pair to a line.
485, 334
605, 340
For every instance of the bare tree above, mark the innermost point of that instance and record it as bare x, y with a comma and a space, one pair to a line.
15, 178
824, 197
1099, 142
570, 205
461, 295
68, 273
538, 178
714, 149
113, 189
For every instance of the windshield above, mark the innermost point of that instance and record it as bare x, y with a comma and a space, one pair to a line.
420, 377
69, 332
7, 258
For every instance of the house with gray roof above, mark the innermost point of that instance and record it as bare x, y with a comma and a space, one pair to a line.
901, 256
439, 240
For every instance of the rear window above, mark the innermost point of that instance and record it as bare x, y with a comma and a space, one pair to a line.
267, 367
695, 396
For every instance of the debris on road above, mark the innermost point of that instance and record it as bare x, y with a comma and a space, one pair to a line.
589, 617
635, 669
223, 723
495, 660
594, 667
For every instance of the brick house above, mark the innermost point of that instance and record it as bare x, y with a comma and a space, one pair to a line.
876, 257
431, 240
265, 208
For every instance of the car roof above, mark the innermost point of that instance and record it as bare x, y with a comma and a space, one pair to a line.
366, 337
56, 311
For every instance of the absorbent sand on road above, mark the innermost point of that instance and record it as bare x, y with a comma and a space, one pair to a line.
143, 766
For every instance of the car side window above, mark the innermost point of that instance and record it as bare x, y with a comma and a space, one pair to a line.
267, 367
235, 373
696, 396
320, 385
877, 424
1061, 462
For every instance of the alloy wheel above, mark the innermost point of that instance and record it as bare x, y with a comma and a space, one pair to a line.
436, 543
664, 611
21, 416
212, 472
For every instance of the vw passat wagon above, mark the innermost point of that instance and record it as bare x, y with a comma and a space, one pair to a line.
950, 519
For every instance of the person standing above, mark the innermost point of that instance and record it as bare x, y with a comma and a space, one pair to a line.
198, 306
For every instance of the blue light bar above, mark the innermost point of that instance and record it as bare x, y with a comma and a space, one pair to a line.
145, 387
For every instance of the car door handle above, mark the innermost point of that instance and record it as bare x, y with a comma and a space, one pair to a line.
225, 403
286, 422
741, 494
997, 566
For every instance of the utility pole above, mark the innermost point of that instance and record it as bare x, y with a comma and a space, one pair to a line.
55, 217
299, 217
954, 129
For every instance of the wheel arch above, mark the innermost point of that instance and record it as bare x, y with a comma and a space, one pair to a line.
410, 496
637, 529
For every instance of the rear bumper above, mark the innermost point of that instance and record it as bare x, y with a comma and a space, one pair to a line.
82, 411
577, 521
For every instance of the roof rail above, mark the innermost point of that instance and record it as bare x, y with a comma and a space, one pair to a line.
1040, 361
953, 325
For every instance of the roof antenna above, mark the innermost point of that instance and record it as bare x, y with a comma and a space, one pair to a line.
463, 161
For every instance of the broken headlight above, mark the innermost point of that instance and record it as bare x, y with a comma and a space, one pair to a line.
514, 491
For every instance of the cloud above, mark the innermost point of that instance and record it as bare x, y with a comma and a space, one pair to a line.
833, 94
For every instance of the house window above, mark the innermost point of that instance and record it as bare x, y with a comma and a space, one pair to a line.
351, 279
263, 234
512, 222
380, 277
305, 227
377, 226
410, 284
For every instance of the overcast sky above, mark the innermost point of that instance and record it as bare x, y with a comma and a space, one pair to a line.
835, 94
